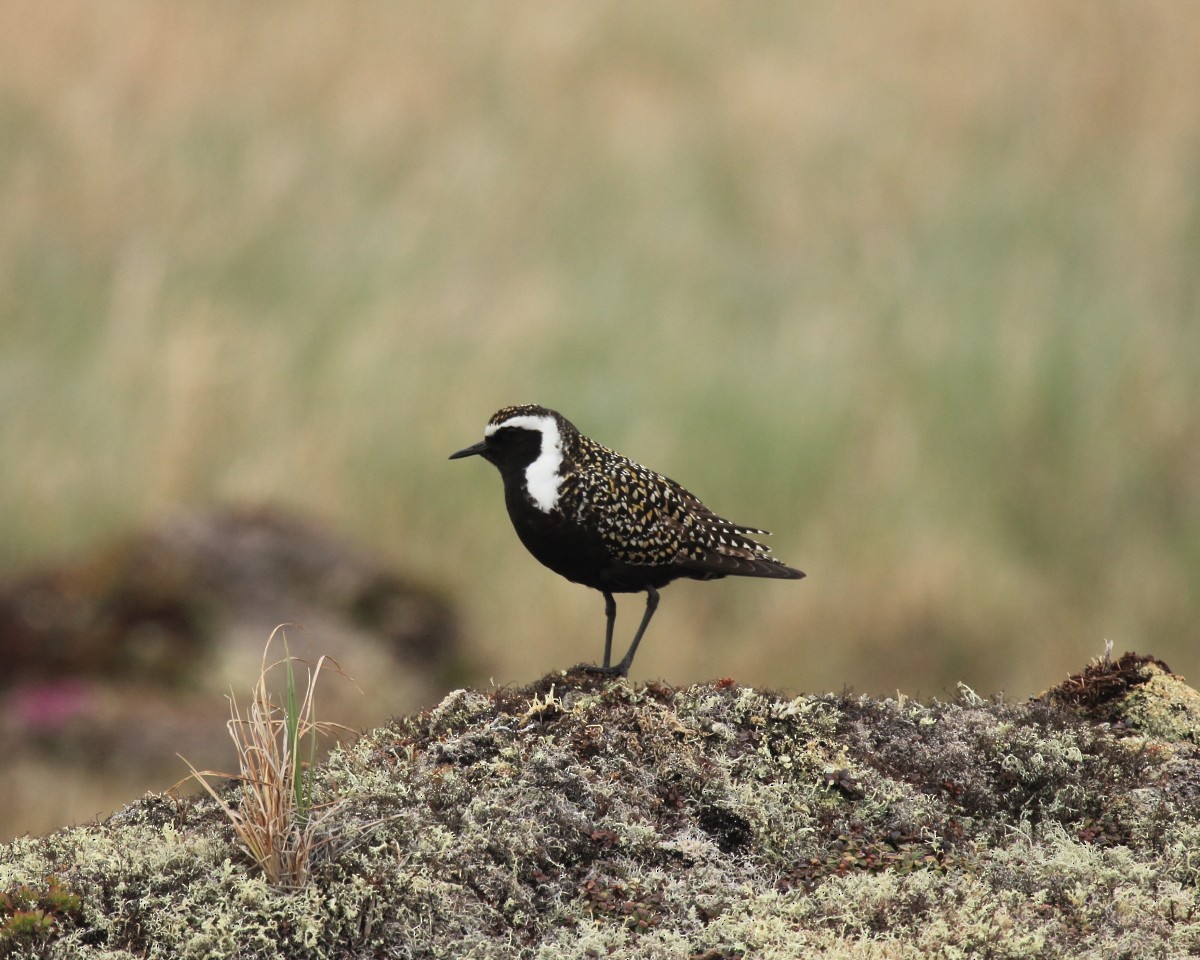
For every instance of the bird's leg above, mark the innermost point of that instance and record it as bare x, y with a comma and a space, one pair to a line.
610, 611
622, 668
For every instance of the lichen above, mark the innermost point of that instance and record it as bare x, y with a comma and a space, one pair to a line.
582, 817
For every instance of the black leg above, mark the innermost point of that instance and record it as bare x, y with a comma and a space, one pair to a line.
622, 668
610, 611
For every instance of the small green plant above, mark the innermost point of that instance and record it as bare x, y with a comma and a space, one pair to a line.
638, 910
29, 916
856, 851
275, 820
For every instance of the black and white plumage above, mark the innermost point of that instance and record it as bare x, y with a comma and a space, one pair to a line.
597, 518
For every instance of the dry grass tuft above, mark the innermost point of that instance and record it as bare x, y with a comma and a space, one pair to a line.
276, 820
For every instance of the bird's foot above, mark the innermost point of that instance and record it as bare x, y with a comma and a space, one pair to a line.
620, 670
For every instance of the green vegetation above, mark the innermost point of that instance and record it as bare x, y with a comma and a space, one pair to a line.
582, 817
30, 915
917, 292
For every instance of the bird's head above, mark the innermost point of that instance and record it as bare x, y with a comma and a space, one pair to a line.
526, 444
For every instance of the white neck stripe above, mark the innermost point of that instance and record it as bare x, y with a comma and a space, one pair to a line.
542, 479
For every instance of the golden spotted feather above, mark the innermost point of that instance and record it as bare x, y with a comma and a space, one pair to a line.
646, 519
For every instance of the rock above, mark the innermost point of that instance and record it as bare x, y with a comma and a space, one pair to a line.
119, 661
154, 606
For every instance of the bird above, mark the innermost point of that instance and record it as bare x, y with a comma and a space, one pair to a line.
601, 520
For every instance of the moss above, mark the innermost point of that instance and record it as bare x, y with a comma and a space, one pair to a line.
582, 817
1165, 708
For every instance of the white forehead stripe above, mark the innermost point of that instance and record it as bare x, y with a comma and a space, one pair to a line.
541, 477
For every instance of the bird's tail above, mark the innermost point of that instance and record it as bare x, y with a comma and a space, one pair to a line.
724, 548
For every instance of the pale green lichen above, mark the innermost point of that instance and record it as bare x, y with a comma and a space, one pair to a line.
1164, 707
582, 817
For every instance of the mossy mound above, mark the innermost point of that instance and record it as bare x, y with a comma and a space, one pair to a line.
582, 817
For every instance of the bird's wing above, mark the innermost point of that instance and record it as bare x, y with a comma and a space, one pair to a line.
638, 516
647, 519
717, 545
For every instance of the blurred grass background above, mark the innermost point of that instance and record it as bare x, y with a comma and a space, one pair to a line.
915, 288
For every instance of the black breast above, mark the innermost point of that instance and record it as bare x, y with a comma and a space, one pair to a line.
577, 553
